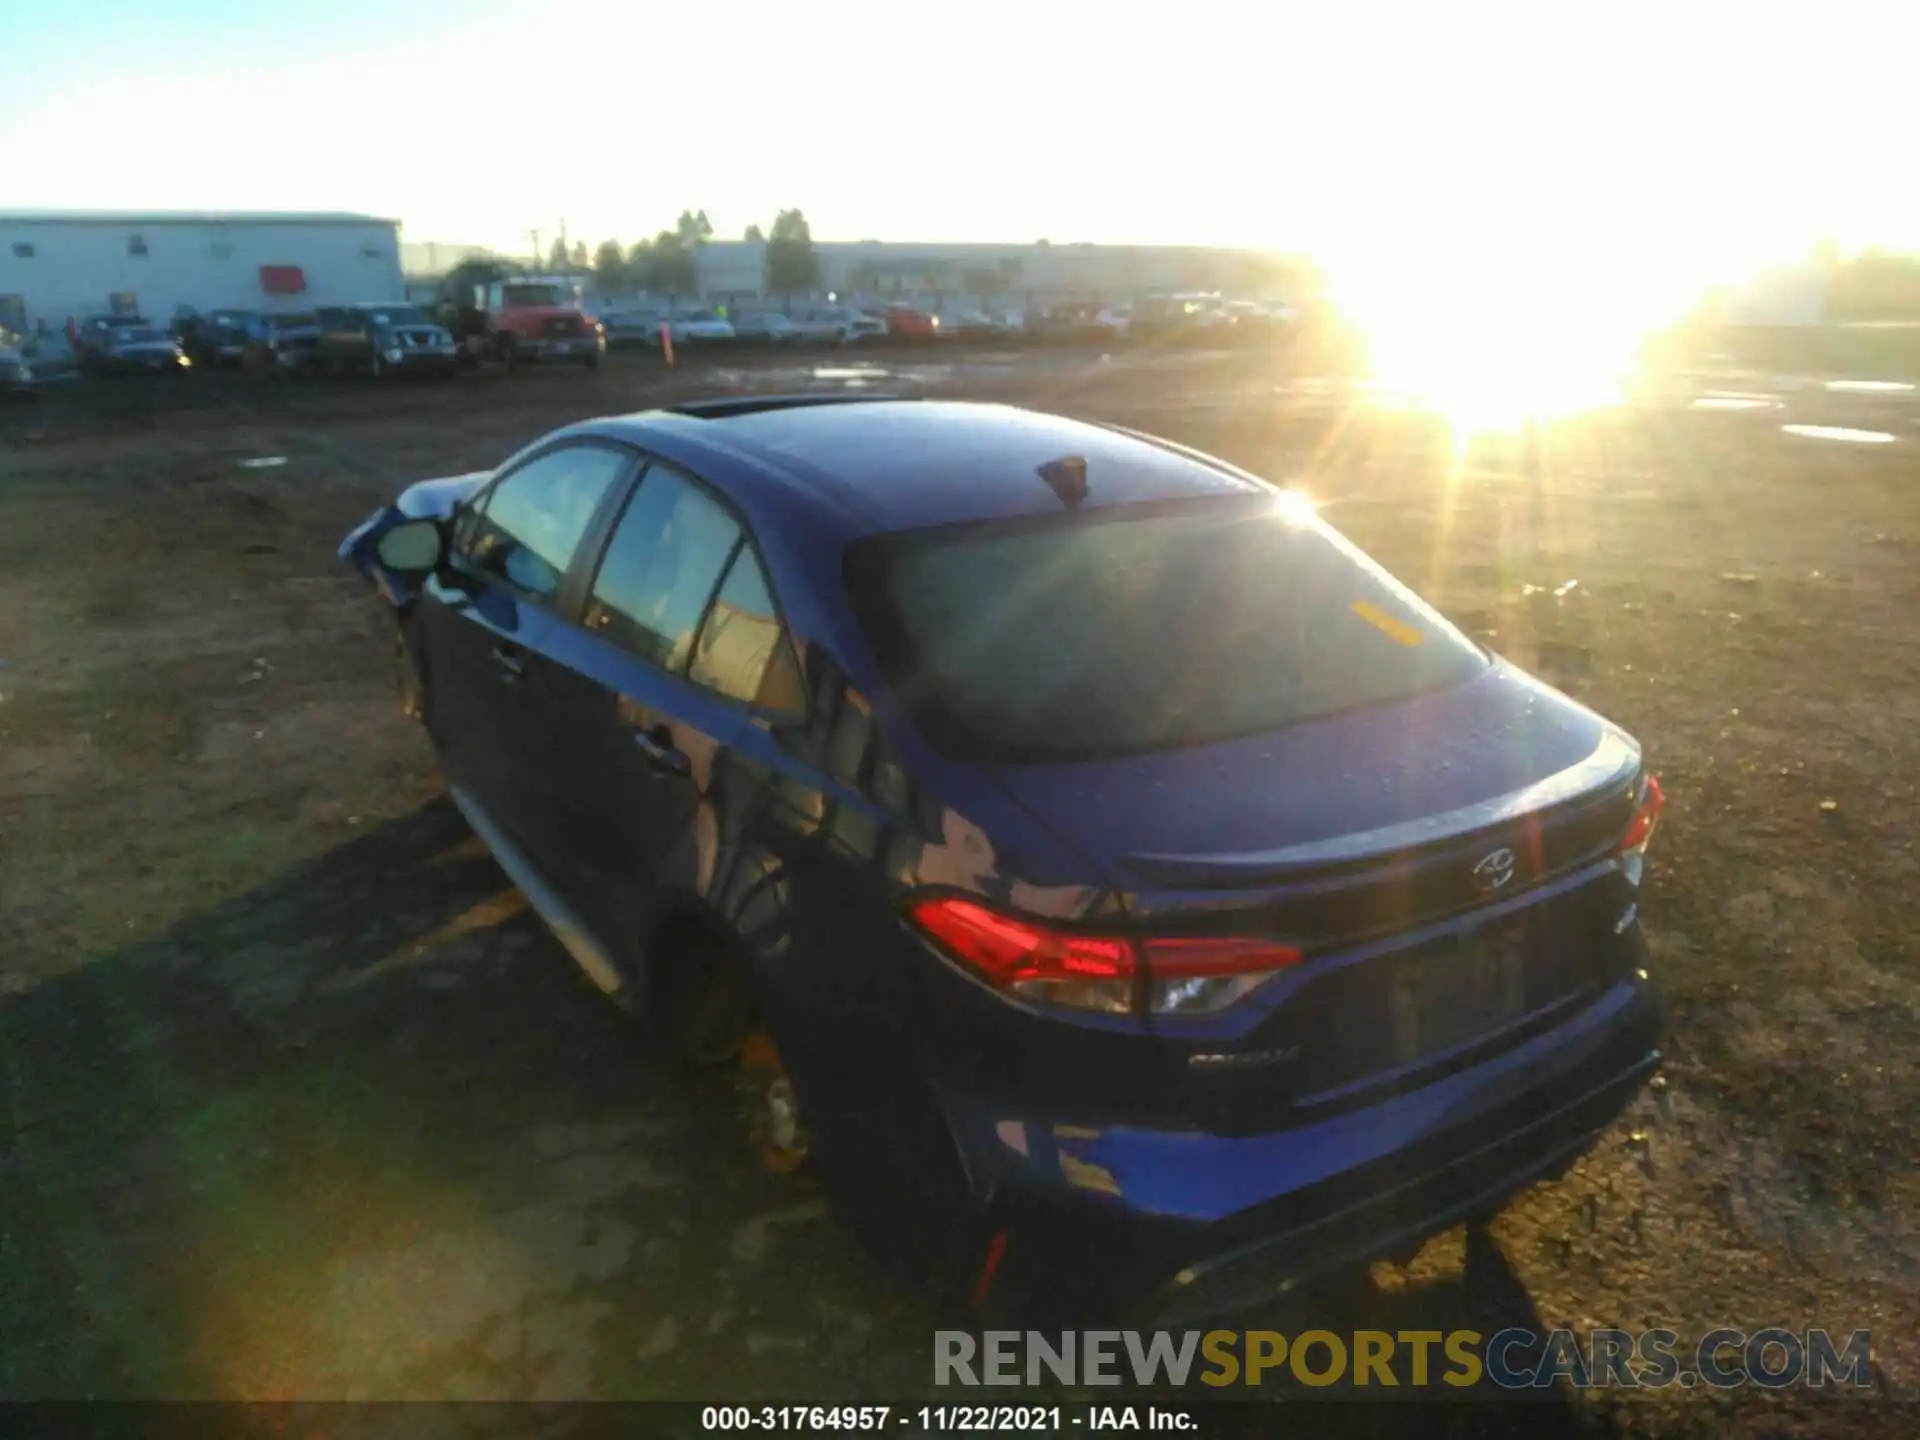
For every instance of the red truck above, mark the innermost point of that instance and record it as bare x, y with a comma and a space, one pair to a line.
495, 314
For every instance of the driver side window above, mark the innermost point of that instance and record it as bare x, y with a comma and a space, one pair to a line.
531, 523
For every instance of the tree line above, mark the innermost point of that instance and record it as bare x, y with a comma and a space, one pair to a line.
668, 263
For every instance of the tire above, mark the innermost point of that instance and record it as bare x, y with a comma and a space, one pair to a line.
377, 366
591, 360
702, 997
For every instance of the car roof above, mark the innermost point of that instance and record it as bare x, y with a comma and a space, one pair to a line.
884, 465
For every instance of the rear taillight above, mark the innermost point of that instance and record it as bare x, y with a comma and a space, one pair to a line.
1195, 976
1097, 972
1645, 817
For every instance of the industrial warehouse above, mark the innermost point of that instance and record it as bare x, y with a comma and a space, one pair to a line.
55, 265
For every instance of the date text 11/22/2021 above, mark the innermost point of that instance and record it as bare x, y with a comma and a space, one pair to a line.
959, 1419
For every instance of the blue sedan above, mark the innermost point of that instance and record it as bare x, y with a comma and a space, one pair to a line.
1120, 888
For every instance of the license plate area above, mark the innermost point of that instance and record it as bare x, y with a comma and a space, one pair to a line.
1446, 996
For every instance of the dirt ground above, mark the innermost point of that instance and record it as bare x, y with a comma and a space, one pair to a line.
300, 1101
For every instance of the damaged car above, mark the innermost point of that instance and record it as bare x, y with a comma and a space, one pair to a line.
1121, 890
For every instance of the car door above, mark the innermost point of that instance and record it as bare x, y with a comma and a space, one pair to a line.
677, 630
512, 550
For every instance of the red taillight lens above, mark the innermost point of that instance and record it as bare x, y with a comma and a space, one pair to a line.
1008, 951
1191, 959
1640, 828
1198, 976
1097, 972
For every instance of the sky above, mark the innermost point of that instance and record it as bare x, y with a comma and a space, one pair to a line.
1681, 136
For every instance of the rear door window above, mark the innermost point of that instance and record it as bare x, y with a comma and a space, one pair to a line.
1096, 634
661, 568
531, 523
742, 651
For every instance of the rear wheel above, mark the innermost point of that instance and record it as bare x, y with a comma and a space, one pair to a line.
775, 1126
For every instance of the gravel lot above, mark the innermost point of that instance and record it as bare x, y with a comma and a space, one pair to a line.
299, 1100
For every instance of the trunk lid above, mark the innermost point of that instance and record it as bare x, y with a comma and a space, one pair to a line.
1432, 860
1336, 791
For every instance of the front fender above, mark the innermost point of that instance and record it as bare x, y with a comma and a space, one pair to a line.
428, 500
359, 551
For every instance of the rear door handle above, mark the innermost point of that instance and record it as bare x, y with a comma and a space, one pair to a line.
657, 745
510, 665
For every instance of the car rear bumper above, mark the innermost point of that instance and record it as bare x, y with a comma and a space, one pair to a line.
1204, 1224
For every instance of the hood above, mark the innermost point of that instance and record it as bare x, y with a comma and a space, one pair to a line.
419, 329
436, 498
1333, 789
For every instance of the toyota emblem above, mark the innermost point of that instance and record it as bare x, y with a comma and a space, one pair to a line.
1494, 870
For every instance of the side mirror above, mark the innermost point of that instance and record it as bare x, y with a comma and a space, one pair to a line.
415, 547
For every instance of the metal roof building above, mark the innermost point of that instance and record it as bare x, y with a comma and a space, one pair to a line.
60, 263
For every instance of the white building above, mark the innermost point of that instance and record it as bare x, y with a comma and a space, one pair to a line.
59, 264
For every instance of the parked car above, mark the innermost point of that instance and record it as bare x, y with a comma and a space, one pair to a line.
140, 350
838, 325
906, 323
93, 335
383, 340
281, 343
1077, 321
966, 323
16, 373
1118, 884
215, 338
693, 327
32, 361
768, 327
633, 327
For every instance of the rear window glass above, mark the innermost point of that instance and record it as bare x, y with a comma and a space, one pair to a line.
1098, 634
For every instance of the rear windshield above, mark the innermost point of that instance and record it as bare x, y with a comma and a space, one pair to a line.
1141, 628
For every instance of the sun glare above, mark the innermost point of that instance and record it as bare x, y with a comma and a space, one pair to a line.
1492, 342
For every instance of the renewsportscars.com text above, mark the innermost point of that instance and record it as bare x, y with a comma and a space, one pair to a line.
1513, 1359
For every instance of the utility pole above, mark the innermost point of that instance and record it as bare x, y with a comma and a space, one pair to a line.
563, 241
536, 248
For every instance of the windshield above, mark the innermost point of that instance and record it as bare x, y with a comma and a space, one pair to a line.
535, 295
139, 335
399, 315
1094, 634
292, 322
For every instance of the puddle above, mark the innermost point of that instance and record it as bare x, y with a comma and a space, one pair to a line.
850, 372
1871, 387
1733, 402
1840, 432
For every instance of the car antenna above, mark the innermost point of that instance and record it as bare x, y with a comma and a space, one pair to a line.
1067, 477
